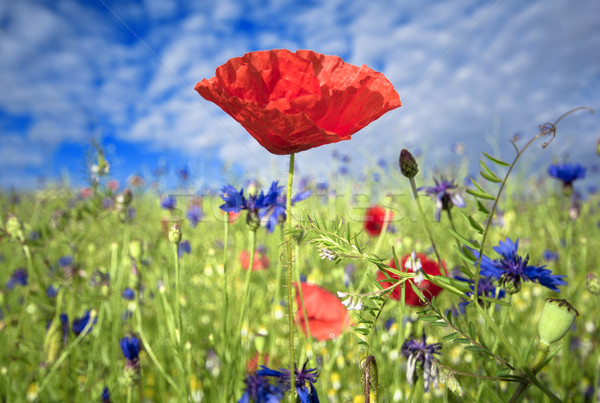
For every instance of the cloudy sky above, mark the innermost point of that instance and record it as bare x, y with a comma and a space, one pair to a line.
123, 72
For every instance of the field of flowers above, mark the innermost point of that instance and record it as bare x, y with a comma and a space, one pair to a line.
85, 270
391, 286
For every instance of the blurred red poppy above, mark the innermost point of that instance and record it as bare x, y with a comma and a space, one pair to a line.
290, 102
252, 364
327, 317
427, 288
261, 261
374, 219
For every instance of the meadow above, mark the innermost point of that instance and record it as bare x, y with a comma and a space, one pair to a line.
135, 292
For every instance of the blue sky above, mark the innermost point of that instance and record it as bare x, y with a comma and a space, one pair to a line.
123, 72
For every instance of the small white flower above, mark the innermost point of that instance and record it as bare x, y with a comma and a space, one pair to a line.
342, 294
347, 301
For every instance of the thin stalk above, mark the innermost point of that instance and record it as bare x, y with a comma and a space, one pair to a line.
384, 227
252, 246
290, 258
413, 186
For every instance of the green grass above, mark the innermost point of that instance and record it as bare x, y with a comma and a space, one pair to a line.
207, 361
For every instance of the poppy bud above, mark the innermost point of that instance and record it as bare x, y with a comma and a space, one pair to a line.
408, 164
592, 284
555, 320
175, 234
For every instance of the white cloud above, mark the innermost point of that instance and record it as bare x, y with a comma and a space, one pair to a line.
457, 66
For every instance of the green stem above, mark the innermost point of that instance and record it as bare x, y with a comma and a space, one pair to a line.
276, 306
252, 246
176, 301
371, 379
413, 186
290, 258
384, 228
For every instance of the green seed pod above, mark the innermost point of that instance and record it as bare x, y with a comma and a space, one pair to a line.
253, 220
175, 234
556, 319
52, 341
408, 164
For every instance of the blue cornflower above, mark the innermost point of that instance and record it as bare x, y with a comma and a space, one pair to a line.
130, 346
52, 291
260, 390
275, 202
550, 256
423, 353
567, 173
128, 294
485, 287
65, 261
168, 203
304, 379
511, 269
18, 277
105, 397
64, 324
194, 215
234, 200
184, 247
80, 323
184, 174
444, 196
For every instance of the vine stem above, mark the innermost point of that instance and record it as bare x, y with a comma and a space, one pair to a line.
288, 244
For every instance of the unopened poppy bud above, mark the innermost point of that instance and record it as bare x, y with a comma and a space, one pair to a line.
556, 319
592, 283
135, 249
408, 164
175, 234
15, 228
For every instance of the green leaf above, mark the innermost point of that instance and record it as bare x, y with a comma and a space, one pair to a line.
463, 240
476, 349
439, 324
488, 174
480, 195
494, 301
462, 340
450, 336
449, 316
472, 330
429, 318
496, 160
482, 208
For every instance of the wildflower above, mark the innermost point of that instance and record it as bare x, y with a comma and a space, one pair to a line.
567, 173
18, 277
291, 102
184, 247
183, 174
236, 201
194, 215
444, 196
424, 354
52, 291
79, 324
511, 269
275, 204
304, 380
175, 234
327, 254
128, 294
326, 318
130, 346
260, 262
105, 397
550, 256
427, 287
375, 218
168, 203
259, 390
485, 288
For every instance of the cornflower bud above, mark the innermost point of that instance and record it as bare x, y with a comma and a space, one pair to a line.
408, 164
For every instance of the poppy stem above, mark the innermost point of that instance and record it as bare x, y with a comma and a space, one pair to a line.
288, 243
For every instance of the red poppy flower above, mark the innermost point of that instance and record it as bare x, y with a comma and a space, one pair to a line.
374, 219
261, 261
427, 288
290, 102
327, 317
252, 364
